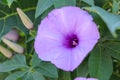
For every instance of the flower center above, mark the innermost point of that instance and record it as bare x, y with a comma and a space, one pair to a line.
74, 43
71, 41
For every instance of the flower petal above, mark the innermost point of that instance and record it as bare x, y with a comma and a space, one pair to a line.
88, 32
87, 46
80, 52
83, 78
64, 60
43, 45
73, 18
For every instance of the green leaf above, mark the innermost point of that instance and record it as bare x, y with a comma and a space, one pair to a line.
33, 76
3, 76
10, 2
112, 21
82, 70
62, 3
63, 75
115, 6
104, 32
18, 61
51, 79
100, 64
3, 2
37, 76
28, 76
35, 60
9, 18
90, 2
101, 3
46, 12
42, 6
113, 48
47, 69
16, 75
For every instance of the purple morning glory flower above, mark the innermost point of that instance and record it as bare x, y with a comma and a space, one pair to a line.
82, 78
65, 37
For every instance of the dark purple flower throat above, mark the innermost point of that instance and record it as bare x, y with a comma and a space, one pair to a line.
71, 41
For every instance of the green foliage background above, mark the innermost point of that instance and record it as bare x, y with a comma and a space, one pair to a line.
103, 62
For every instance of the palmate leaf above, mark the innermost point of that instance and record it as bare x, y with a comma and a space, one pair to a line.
33, 76
113, 48
18, 61
35, 61
9, 18
37, 76
90, 2
15, 75
42, 5
25, 75
28, 76
47, 69
100, 64
82, 69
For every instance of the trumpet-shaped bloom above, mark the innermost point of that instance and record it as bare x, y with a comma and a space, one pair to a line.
65, 37
82, 78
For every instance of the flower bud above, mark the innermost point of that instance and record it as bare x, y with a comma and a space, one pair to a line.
17, 48
5, 52
25, 20
12, 35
